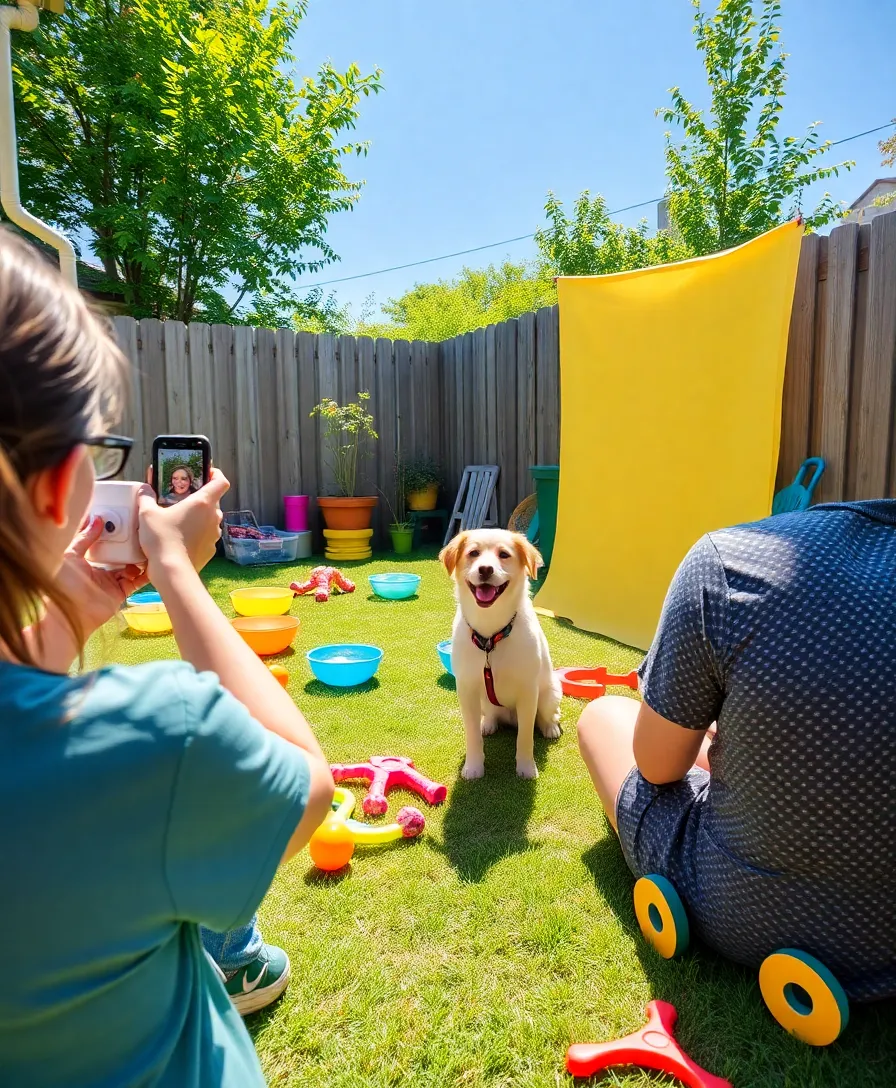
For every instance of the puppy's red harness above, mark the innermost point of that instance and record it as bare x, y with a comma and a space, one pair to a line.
487, 645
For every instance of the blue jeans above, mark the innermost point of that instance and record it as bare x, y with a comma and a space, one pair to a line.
235, 948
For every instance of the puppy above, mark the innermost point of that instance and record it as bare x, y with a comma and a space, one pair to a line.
499, 654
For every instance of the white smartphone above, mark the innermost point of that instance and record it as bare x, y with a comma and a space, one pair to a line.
115, 501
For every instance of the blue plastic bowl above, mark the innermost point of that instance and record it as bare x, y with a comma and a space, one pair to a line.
444, 651
394, 587
147, 597
345, 665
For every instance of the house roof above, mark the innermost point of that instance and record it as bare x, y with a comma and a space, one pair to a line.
92, 280
857, 203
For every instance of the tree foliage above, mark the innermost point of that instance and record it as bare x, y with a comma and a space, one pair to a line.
438, 311
591, 244
170, 132
888, 151
734, 177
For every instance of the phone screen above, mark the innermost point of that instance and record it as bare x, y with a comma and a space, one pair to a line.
181, 465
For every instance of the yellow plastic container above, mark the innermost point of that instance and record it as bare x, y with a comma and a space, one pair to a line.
267, 634
147, 623
261, 601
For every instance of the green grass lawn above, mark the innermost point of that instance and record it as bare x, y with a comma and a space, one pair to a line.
474, 955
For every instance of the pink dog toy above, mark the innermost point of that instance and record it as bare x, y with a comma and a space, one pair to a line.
323, 580
384, 772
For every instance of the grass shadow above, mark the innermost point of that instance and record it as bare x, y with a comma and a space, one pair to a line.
486, 819
375, 598
315, 687
316, 877
447, 682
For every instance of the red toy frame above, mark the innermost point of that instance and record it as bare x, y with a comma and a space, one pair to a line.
653, 1047
592, 683
384, 772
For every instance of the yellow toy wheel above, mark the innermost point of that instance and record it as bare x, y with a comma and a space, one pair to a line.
661, 916
803, 996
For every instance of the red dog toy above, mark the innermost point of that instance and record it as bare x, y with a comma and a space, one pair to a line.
653, 1047
323, 580
592, 683
384, 772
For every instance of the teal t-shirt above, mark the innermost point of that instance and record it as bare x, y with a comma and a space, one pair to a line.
135, 804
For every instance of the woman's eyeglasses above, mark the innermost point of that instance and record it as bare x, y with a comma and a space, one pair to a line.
109, 453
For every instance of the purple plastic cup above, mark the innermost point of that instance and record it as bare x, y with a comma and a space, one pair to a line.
295, 513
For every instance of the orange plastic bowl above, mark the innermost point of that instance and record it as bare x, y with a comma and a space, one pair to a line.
267, 634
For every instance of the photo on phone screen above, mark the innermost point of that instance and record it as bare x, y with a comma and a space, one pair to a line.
180, 465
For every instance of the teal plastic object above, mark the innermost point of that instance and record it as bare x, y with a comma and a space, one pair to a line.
443, 649
798, 496
394, 587
547, 488
344, 665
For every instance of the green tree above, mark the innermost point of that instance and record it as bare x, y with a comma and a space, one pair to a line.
888, 151
591, 244
438, 311
734, 177
169, 132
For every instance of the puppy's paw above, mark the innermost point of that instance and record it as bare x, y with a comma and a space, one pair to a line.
488, 726
551, 730
526, 768
472, 769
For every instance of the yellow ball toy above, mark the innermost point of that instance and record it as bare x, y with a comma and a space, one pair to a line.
331, 846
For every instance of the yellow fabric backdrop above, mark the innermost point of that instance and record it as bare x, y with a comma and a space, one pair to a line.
670, 390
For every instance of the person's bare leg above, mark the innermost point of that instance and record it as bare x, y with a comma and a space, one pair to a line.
606, 731
702, 759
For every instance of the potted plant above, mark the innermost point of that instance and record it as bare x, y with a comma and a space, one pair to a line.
401, 528
422, 477
348, 429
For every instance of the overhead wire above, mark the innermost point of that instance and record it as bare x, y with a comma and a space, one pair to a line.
526, 237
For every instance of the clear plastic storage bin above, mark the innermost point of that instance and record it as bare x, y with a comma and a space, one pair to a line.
247, 543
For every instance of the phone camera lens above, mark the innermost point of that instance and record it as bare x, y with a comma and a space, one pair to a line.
110, 526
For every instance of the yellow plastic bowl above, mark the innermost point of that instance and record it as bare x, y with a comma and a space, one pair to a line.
261, 601
267, 634
147, 623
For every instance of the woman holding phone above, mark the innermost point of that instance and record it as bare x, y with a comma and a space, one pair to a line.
136, 804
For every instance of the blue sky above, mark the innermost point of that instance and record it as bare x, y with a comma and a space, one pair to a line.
487, 104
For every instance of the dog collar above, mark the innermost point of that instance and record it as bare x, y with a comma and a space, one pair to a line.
487, 645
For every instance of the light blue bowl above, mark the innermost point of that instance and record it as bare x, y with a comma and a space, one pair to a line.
346, 664
444, 651
394, 587
147, 597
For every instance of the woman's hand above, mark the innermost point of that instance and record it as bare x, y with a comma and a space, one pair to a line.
189, 530
97, 594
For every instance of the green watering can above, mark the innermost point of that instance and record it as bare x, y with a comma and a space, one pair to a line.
798, 496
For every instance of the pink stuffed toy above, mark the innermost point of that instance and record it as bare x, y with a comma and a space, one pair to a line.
324, 580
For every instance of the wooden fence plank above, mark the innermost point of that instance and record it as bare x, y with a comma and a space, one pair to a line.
421, 440
386, 415
836, 358
492, 431
874, 476
798, 371
525, 369
447, 419
272, 492
224, 386
404, 400
309, 429
507, 399
177, 377
248, 448
127, 333
857, 367
471, 442
547, 437
289, 421
327, 386
478, 454
155, 398
202, 383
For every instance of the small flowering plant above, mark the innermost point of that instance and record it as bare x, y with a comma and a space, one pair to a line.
347, 431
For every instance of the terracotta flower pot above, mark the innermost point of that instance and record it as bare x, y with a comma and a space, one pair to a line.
347, 513
425, 499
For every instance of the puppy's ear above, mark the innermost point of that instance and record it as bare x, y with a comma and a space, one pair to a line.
528, 555
450, 554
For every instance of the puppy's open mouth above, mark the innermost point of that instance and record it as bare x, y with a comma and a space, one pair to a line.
485, 594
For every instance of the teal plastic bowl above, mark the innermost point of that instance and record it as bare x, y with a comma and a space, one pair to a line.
394, 587
346, 664
444, 651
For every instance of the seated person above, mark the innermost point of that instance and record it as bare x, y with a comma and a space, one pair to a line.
780, 829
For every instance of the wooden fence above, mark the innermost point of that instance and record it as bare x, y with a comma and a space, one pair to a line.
493, 397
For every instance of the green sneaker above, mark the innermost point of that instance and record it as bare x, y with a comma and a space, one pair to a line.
260, 982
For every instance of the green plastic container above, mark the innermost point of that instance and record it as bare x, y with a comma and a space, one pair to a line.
547, 488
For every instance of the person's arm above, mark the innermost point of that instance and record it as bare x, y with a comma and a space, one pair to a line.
682, 677
178, 539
